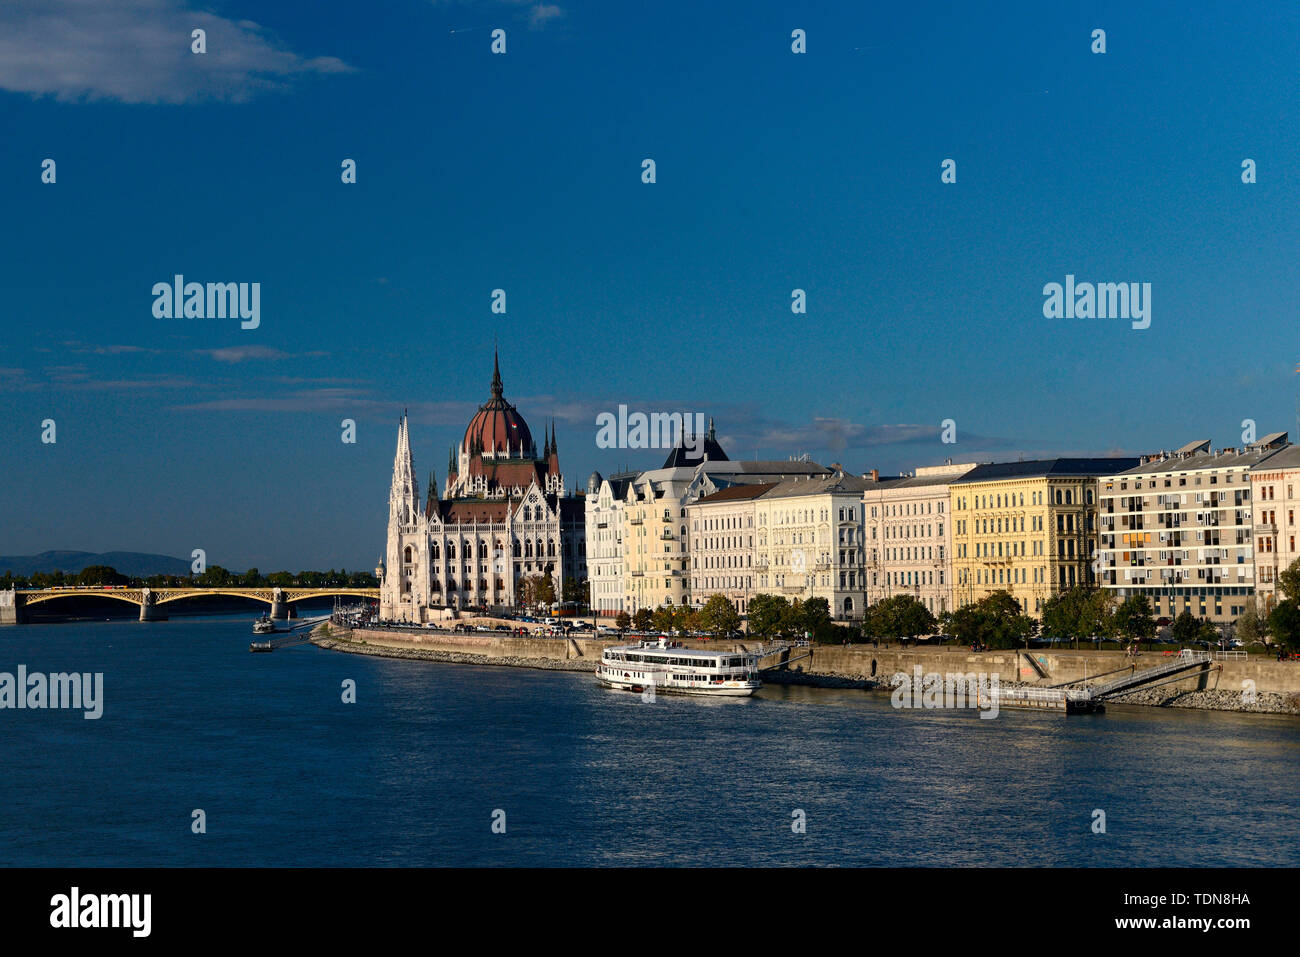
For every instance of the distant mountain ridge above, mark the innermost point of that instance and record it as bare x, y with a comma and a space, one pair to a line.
134, 564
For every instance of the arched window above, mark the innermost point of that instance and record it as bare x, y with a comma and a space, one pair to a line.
433, 552
407, 559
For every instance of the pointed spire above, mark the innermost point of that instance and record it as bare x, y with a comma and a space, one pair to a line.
404, 495
432, 497
496, 375
712, 436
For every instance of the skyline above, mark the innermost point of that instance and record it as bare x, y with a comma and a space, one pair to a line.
775, 172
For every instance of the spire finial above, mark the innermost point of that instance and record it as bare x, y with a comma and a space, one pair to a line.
496, 375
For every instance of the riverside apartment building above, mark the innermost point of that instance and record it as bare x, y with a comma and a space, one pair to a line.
1179, 528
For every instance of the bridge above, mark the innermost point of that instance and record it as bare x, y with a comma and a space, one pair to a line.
13, 603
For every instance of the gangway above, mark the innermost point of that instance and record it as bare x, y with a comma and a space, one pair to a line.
1091, 700
1187, 661
779, 648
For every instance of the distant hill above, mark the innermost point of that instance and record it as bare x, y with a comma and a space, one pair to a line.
134, 564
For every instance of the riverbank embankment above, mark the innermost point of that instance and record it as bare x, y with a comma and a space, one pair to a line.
1248, 685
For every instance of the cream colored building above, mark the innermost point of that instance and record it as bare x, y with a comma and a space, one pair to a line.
809, 542
604, 505
909, 536
721, 528
1178, 528
654, 539
1275, 504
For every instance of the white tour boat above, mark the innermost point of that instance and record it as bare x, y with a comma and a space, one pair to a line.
669, 667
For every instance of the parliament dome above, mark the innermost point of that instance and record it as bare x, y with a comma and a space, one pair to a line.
498, 427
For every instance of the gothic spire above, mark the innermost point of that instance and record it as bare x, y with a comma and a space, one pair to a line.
432, 496
404, 495
496, 376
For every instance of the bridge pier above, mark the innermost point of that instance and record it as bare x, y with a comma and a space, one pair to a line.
149, 610
11, 608
280, 609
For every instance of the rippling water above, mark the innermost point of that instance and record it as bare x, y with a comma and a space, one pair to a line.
411, 774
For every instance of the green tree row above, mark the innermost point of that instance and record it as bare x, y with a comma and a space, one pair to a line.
214, 577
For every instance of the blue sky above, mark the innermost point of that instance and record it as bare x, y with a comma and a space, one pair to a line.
775, 171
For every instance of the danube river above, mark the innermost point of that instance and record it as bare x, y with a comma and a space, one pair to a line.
286, 773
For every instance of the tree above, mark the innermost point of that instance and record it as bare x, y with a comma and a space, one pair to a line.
817, 621
995, 621
766, 613
574, 590
1208, 631
1289, 581
1251, 627
1133, 619
1284, 624
622, 621
899, 616
1184, 628
662, 619
719, 616
792, 620
100, 575
641, 621
545, 590
1079, 613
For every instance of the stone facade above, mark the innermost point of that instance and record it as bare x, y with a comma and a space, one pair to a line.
503, 517
909, 537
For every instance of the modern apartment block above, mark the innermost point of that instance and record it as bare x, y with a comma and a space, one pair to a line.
1178, 527
909, 536
1275, 497
1029, 528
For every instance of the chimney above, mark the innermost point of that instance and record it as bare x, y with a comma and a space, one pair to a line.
875, 475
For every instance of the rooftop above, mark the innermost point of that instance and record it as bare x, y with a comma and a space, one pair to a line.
1046, 468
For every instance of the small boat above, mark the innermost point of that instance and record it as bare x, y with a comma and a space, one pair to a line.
264, 625
260, 646
672, 668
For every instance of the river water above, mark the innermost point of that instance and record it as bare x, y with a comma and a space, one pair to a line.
415, 771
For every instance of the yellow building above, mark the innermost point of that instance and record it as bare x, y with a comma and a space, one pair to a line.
1028, 528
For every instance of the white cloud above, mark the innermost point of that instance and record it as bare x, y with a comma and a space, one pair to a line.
543, 13
138, 51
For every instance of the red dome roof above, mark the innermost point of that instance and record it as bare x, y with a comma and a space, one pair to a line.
498, 427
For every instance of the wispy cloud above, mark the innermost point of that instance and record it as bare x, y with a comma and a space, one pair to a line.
543, 13
233, 354
538, 15
357, 402
138, 51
